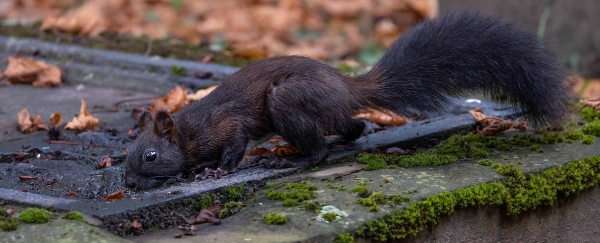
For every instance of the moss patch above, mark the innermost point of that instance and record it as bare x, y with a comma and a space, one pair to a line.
35, 215
236, 192
229, 209
7, 222
344, 238
329, 216
588, 139
298, 192
592, 128
313, 206
275, 218
518, 193
289, 202
589, 114
74, 215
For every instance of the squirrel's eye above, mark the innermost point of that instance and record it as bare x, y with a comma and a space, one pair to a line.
150, 156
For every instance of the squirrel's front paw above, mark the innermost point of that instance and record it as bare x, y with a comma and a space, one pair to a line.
209, 172
277, 163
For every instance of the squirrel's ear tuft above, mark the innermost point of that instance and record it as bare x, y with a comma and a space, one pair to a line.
164, 126
145, 120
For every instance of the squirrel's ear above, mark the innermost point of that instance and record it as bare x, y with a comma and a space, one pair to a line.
164, 126
145, 120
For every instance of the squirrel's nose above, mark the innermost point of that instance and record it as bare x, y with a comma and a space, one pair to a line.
130, 183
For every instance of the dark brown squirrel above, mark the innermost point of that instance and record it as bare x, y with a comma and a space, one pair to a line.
303, 100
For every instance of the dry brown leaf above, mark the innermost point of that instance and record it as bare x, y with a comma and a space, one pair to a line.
172, 102
136, 225
116, 195
84, 121
28, 124
105, 162
56, 119
260, 151
521, 125
24, 70
496, 128
200, 94
592, 102
381, 117
26, 177
284, 150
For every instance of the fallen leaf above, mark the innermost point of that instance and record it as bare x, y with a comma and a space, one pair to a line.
116, 195
24, 70
56, 119
172, 102
28, 124
200, 94
26, 177
260, 151
136, 225
381, 117
592, 102
496, 128
84, 121
105, 162
495, 125
10, 211
20, 156
284, 150
71, 193
207, 215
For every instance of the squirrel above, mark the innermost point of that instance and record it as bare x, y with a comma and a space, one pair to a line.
303, 100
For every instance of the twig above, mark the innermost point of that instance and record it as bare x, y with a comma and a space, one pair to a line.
82, 144
149, 49
134, 99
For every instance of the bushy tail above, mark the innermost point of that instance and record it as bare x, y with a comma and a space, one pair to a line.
460, 53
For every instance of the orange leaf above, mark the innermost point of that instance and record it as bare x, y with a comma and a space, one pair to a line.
116, 195
24, 70
135, 224
172, 102
28, 124
199, 94
83, 121
381, 117
284, 150
56, 119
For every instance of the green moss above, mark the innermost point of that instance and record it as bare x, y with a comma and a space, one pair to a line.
297, 191
275, 218
177, 70
374, 208
74, 215
522, 140
7, 222
588, 139
312, 206
379, 197
574, 134
329, 216
427, 158
362, 189
236, 192
313, 169
536, 148
399, 199
365, 201
206, 201
229, 209
517, 194
486, 162
35, 215
329, 185
341, 188
289, 202
373, 161
344, 238
589, 114
592, 128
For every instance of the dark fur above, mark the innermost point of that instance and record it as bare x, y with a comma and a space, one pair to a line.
303, 99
